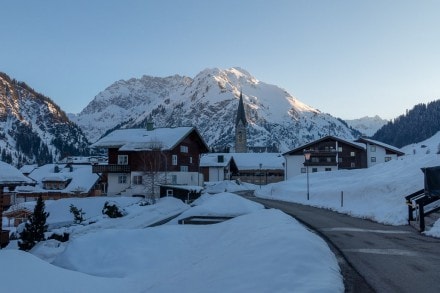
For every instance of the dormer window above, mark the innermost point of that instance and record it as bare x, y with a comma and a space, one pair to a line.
122, 160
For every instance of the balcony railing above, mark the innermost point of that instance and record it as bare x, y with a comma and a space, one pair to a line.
318, 152
323, 163
111, 169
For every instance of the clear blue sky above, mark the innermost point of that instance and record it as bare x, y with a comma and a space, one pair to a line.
347, 58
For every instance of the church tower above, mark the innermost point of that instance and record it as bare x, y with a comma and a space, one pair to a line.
240, 128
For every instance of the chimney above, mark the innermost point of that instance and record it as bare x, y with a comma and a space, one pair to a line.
220, 159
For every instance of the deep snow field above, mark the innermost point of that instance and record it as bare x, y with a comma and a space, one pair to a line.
376, 193
259, 250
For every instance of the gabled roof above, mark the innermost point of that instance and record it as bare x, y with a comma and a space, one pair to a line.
388, 147
305, 146
212, 160
26, 169
10, 175
141, 139
81, 177
252, 161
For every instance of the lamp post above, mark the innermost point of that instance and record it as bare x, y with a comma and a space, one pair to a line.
261, 165
307, 158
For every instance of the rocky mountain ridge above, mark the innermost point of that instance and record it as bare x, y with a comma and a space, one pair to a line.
209, 101
33, 129
368, 126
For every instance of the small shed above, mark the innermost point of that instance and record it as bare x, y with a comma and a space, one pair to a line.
186, 193
17, 214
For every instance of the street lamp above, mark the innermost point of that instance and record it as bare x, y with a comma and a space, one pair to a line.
307, 158
261, 165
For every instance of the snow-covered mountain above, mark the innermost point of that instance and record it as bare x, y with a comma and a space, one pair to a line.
367, 125
209, 101
33, 129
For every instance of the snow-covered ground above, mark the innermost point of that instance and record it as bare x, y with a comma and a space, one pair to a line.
376, 193
259, 250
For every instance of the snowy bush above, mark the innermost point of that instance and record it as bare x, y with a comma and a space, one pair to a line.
112, 210
60, 238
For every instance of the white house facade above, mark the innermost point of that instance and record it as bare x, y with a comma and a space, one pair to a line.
379, 152
331, 153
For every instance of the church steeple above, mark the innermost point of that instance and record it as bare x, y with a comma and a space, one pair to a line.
241, 115
240, 128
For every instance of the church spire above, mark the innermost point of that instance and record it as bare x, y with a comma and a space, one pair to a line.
240, 128
241, 115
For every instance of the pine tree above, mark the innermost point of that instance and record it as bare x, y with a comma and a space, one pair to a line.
35, 227
78, 214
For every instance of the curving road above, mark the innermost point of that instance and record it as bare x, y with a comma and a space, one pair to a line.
384, 258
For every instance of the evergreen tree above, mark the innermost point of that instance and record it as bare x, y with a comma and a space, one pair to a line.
78, 214
418, 124
35, 227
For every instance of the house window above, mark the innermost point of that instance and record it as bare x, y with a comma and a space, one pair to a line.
169, 192
122, 179
373, 148
387, 159
183, 149
314, 160
329, 159
340, 149
183, 168
303, 170
137, 180
339, 160
373, 159
352, 165
174, 160
352, 154
190, 160
314, 170
328, 169
122, 160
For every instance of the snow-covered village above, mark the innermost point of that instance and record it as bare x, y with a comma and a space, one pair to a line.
157, 146
159, 211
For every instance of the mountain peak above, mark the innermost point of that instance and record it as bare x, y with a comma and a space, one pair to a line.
209, 101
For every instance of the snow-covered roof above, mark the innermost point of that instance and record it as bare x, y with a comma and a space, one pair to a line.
252, 161
305, 146
143, 139
11, 175
82, 178
82, 160
55, 178
212, 160
26, 169
384, 145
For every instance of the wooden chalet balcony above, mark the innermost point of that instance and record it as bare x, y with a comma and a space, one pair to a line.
323, 152
111, 169
323, 163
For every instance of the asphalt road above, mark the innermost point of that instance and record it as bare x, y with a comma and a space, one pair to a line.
384, 258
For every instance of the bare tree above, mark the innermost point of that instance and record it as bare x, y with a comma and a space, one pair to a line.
153, 168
